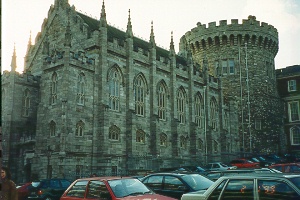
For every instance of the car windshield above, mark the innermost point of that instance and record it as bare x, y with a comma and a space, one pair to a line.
296, 181
197, 182
128, 187
255, 159
35, 183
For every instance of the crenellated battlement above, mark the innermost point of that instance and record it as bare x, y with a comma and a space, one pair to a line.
250, 32
26, 78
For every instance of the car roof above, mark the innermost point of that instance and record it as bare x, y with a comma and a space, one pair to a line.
105, 178
180, 173
285, 164
259, 175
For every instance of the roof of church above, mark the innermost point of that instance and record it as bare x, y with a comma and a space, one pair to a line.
113, 32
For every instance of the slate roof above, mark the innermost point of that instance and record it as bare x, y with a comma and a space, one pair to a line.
113, 32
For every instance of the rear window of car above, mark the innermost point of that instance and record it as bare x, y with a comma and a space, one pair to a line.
78, 189
197, 182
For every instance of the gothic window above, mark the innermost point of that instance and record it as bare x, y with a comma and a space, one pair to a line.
292, 85
181, 106
213, 114
53, 88
26, 103
163, 139
215, 146
200, 144
79, 129
140, 136
52, 127
294, 111
183, 142
80, 89
217, 68
114, 132
162, 101
114, 90
139, 95
295, 135
199, 110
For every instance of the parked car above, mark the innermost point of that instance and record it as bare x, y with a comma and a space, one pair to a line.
244, 163
110, 188
23, 191
277, 186
287, 167
262, 161
176, 184
274, 158
48, 189
291, 158
218, 166
215, 175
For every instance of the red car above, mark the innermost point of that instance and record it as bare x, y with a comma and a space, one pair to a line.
287, 167
111, 188
244, 163
23, 191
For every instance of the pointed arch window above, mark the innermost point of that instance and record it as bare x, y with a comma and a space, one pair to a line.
181, 107
114, 133
114, 90
183, 142
52, 127
26, 103
140, 136
199, 111
80, 89
53, 88
163, 139
213, 114
79, 129
162, 101
295, 135
139, 95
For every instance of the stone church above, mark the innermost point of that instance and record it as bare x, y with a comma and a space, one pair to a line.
95, 99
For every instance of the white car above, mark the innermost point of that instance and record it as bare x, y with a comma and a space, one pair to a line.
218, 166
255, 186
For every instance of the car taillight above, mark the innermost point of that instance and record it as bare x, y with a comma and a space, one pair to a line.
40, 192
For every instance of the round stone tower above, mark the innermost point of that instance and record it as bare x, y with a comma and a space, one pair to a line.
242, 55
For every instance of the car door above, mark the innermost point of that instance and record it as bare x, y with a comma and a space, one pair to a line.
173, 187
155, 183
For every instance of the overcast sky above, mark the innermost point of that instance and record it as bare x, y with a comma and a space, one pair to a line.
20, 17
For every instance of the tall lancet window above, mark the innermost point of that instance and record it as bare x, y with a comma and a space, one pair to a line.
52, 127
213, 113
53, 88
79, 129
139, 95
162, 101
181, 106
26, 103
114, 90
81, 89
199, 110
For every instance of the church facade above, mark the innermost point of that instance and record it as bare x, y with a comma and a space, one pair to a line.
95, 99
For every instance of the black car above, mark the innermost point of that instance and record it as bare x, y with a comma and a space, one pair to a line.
176, 184
48, 189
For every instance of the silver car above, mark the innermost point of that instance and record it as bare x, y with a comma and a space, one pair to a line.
269, 186
218, 166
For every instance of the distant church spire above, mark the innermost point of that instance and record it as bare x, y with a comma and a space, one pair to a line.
13, 64
172, 49
152, 37
103, 22
129, 33
29, 44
